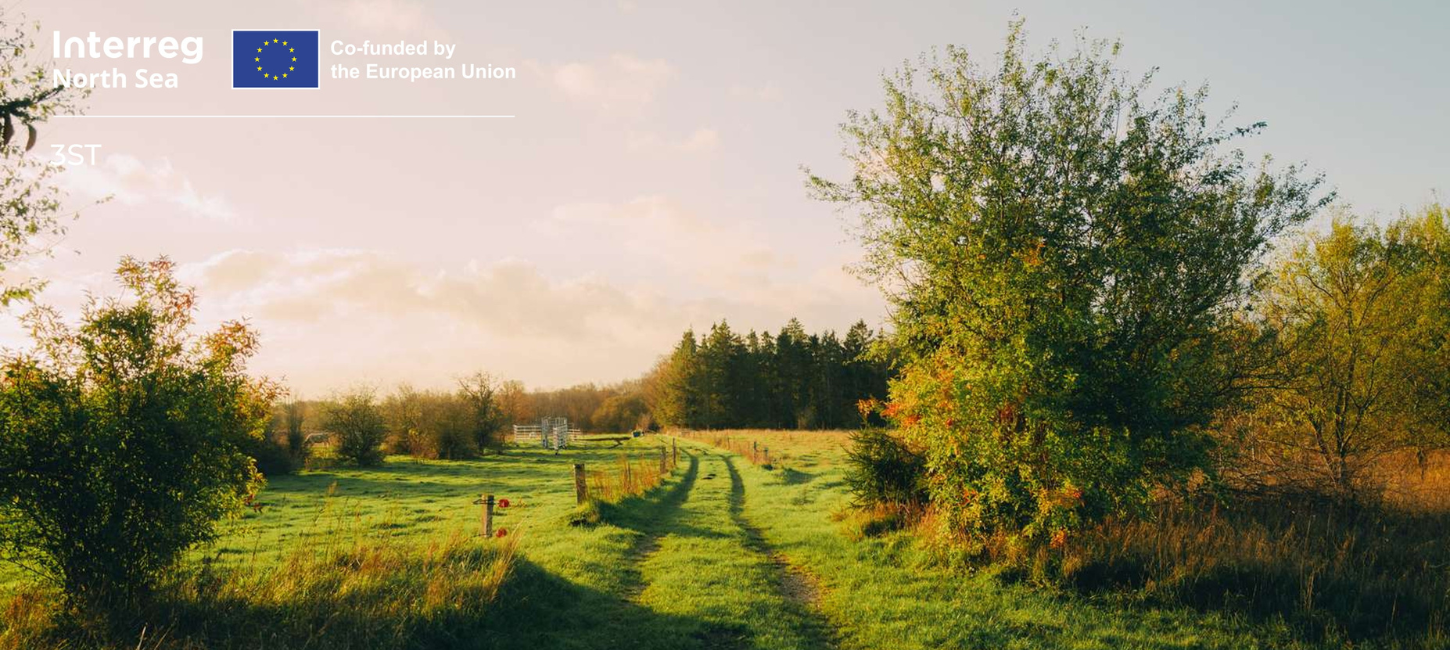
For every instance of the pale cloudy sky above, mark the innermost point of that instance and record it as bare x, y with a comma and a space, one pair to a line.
651, 179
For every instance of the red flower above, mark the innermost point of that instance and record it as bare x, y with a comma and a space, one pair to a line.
503, 503
502, 532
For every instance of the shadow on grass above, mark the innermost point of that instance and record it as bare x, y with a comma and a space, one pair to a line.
541, 610
1372, 574
526, 607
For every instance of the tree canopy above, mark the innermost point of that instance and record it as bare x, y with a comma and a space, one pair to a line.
1062, 249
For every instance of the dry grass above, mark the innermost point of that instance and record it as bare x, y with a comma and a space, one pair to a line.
777, 448
1378, 571
632, 474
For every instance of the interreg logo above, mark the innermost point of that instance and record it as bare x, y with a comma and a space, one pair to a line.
275, 58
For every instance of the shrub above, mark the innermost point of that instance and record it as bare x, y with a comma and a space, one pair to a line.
122, 441
357, 427
448, 427
883, 470
294, 417
271, 456
480, 392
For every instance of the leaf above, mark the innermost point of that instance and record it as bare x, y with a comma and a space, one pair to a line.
7, 133
30, 140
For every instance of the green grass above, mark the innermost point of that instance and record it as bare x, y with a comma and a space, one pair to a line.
722, 554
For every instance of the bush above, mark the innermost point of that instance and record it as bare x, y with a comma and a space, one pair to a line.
448, 427
122, 441
293, 417
272, 458
883, 470
357, 427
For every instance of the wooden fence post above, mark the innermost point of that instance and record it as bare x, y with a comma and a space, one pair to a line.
664, 460
581, 489
487, 516
755, 451
674, 452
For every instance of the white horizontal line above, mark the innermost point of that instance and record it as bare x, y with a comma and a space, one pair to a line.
288, 117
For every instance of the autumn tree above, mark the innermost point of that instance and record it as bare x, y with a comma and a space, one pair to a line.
1363, 349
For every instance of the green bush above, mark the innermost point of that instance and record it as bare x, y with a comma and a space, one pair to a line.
121, 441
883, 470
271, 456
357, 427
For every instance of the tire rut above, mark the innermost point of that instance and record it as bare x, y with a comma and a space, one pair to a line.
665, 513
798, 587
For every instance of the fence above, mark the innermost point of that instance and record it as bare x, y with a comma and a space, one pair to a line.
550, 433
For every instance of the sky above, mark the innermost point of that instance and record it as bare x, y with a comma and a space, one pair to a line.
651, 177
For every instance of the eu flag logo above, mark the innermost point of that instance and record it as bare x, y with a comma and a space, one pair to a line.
274, 58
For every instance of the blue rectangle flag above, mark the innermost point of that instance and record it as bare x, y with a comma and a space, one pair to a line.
275, 58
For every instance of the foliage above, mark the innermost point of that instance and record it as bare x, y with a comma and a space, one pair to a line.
623, 412
479, 393
30, 203
1361, 323
356, 423
121, 440
1062, 253
293, 419
790, 380
883, 469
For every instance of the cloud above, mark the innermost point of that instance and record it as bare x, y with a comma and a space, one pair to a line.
129, 181
701, 140
619, 84
763, 93
402, 18
330, 318
723, 255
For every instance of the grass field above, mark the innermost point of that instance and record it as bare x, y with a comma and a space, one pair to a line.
722, 554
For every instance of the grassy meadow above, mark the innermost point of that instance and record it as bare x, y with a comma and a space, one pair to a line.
717, 553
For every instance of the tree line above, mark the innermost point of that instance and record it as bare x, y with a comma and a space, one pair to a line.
790, 380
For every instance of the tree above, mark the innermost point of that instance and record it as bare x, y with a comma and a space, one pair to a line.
121, 441
1360, 319
486, 419
357, 422
1061, 252
674, 393
30, 205
294, 416
623, 412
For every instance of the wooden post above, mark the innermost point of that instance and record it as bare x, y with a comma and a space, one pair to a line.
674, 452
755, 451
487, 516
581, 489
664, 459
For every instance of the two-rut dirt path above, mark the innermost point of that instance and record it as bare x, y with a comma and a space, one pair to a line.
698, 556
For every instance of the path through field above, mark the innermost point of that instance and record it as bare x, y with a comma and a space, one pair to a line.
698, 557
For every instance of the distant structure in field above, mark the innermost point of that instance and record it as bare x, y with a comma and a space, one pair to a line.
551, 433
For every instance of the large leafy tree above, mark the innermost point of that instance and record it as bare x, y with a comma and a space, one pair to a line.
1061, 249
30, 203
121, 441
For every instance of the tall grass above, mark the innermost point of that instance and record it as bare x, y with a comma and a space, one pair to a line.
343, 588
629, 476
1377, 571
